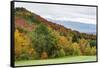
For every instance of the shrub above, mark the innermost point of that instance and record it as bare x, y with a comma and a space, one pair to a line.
61, 53
92, 43
24, 56
44, 55
68, 50
90, 50
93, 50
87, 50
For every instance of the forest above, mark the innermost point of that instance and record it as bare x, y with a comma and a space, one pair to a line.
37, 38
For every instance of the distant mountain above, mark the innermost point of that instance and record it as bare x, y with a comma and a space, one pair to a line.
27, 20
78, 26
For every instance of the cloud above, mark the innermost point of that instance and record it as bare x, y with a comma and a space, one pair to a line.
74, 19
62, 12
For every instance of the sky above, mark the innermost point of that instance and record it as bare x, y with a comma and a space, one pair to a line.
83, 14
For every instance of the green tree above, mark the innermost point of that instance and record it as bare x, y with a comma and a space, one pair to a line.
43, 40
61, 53
75, 38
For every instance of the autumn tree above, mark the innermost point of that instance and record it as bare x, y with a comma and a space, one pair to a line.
23, 49
43, 41
75, 49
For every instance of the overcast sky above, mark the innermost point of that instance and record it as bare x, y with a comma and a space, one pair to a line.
81, 14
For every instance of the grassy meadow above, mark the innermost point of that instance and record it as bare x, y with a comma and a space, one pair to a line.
57, 60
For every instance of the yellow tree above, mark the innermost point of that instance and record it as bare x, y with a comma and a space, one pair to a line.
22, 44
65, 44
75, 49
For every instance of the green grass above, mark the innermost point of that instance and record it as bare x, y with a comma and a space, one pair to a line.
57, 60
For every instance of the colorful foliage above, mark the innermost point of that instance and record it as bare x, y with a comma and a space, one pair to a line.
37, 38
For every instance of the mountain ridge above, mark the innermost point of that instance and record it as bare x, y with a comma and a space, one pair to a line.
87, 28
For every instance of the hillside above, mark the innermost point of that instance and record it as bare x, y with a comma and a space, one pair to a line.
38, 38
35, 19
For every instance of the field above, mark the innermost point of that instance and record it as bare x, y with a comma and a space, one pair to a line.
57, 60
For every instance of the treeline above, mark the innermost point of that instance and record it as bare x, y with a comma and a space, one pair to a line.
44, 43
48, 40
